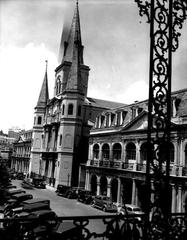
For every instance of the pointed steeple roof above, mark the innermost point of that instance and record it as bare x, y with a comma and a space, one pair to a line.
73, 37
44, 93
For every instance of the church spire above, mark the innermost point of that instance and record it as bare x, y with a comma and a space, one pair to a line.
73, 37
44, 93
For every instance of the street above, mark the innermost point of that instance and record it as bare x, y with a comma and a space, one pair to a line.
67, 207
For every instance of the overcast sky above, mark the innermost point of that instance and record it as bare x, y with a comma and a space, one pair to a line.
116, 48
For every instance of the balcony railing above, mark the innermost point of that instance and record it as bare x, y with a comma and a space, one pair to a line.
113, 226
141, 167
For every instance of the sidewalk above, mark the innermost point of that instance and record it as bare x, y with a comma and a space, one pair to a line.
50, 188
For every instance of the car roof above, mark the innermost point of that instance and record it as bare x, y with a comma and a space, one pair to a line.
35, 200
131, 206
21, 194
43, 212
16, 190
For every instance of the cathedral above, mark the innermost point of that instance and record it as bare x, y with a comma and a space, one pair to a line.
97, 144
62, 123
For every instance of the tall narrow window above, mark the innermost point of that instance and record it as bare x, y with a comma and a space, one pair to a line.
63, 108
39, 120
60, 143
70, 109
79, 111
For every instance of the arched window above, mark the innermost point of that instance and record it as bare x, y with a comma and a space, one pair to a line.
96, 151
163, 152
117, 151
70, 109
63, 109
143, 152
131, 151
39, 120
105, 151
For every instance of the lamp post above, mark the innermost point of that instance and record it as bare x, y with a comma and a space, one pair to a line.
166, 18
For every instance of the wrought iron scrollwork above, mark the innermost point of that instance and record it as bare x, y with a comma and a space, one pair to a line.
166, 19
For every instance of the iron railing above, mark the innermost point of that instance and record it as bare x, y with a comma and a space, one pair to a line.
111, 226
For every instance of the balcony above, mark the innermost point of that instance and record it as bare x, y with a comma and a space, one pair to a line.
114, 226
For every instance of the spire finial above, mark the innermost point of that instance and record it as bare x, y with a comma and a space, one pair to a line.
77, 2
46, 62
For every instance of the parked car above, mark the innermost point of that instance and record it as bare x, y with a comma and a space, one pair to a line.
71, 194
131, 209
20, 197
85, 196
28, 208
103, 202
11, 186
65, 230
12, 192
39, 182
20, 176
61, 190
36, 200
27, 183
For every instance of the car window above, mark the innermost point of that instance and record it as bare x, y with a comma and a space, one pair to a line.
129, 209
137, 209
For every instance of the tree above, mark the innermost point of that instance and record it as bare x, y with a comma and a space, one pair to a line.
4, 182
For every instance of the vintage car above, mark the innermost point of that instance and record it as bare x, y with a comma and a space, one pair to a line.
85, 196
132, 210
27, 183
104, 203
62, 190
38, 182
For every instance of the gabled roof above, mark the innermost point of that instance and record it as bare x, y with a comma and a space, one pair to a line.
141, 123
102, 103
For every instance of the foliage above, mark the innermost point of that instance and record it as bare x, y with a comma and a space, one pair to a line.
4, 182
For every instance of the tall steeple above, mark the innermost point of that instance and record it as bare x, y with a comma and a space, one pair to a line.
74, 37
44, 93
72, 74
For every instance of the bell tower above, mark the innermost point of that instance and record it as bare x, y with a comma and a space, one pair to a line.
71, 84
39, 115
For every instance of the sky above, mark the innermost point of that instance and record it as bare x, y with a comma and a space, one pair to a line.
116, 48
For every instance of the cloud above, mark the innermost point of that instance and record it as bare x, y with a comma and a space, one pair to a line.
21, 73
137, 91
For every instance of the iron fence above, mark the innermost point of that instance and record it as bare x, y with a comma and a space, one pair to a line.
112, 226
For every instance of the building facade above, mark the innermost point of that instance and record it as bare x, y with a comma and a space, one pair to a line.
21, 152
116, 165
6, 149
62, 123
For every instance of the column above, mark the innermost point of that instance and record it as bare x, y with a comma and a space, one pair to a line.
173, 203
109, 187
134, 192
111, 152
179, 207
181, 156
119, 191
86, 180
98, 185
137, 156
109, 119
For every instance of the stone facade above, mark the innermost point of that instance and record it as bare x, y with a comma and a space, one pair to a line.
116, 164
